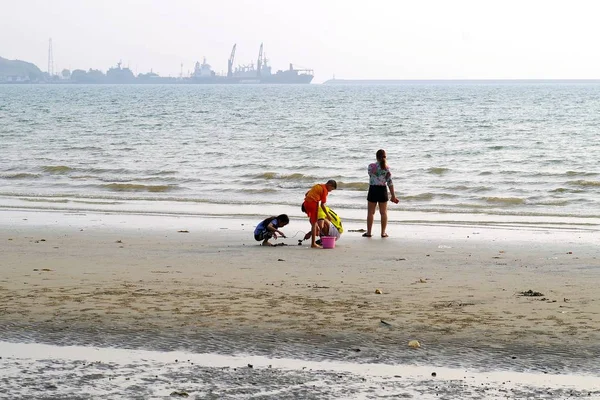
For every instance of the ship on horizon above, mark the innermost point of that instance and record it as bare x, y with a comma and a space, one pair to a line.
262, 73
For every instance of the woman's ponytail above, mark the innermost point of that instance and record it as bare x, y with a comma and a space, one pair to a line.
381, 158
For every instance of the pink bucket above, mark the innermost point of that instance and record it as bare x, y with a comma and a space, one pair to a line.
328, 242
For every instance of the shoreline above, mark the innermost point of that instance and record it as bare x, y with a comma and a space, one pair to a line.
442, 285
194, 210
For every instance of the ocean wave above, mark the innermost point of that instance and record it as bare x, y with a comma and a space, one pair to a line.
258, 191
418, 197
129, 178
358, 186
57, 169
288, 177
97, 202
105, 170
459, 188
446, 195
505, 200
563, 174
465, 188
133, 187
83, 177
549, 203
21, 175
566, 190
438, 170
159, 173
43, 200
94, 148
580, 173
584, 183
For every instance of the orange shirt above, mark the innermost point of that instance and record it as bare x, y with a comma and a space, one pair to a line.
317, 193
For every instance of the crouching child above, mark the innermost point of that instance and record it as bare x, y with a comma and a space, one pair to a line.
269, 228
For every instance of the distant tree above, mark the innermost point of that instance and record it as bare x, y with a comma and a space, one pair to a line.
79, 75
66, 74
95, 76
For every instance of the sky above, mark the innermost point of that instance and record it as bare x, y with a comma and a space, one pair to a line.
375, 39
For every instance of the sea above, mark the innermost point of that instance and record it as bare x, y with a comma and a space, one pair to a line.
518, 154
499, 153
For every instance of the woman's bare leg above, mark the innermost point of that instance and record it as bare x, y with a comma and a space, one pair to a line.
384, 218
370, 216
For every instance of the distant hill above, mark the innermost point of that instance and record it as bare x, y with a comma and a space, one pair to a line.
12, 68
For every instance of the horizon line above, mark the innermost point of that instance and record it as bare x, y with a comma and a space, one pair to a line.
463, 80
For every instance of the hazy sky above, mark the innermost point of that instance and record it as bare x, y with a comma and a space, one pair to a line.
376, 39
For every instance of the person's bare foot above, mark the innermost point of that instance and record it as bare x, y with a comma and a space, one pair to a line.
316, 246
384, 235
267, 243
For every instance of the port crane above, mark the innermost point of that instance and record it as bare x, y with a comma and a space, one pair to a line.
230, 62
259, 61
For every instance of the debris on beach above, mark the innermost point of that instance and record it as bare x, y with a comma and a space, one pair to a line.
450, 304
385, 323
315, 286
180, 393
357, 230
183, 231
421, 280
414, 344
378, 291
531, 293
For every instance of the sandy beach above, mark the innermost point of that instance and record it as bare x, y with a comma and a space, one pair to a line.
437, 283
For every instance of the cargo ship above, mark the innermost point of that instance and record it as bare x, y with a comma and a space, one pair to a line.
261, 73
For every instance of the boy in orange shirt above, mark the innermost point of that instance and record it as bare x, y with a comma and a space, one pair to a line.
316, 197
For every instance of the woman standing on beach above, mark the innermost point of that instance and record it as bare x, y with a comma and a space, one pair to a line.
379, 177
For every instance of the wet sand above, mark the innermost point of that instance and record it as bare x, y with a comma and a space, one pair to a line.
441, 285
44, 371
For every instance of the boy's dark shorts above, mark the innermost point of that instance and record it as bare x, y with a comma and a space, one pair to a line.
377, 194
266, 234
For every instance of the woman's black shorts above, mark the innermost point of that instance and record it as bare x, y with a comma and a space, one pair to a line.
377, 194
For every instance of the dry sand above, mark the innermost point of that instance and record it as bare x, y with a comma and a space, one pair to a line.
457, 282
